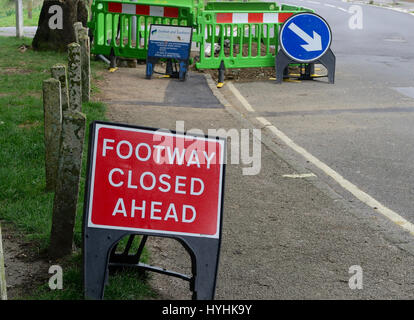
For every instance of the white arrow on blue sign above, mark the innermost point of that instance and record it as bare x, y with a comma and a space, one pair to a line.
305, 37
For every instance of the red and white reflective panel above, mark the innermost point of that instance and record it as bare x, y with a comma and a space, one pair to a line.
244, 17
160, 182
143, 10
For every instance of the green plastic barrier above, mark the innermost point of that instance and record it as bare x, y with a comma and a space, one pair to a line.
241, 35
121, 28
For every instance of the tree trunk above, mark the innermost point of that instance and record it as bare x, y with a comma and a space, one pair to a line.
57, 38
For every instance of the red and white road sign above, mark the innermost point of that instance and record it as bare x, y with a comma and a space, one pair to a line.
155, 181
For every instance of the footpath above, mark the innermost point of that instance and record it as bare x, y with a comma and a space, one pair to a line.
283, 238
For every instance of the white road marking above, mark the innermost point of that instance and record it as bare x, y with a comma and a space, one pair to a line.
342, 9
313, 2
242, 99
329, 5
347, 185
299, 176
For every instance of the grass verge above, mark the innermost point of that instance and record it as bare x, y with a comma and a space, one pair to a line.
23, 200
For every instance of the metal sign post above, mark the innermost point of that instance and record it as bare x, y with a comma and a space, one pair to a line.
148, 182
305, 38
172, 43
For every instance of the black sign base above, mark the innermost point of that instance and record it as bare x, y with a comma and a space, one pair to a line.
283, 61
99, 254
180, 74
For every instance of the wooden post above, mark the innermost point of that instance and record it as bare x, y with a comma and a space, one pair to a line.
52, 108
58, 72
3, 287
75, 77
86, 66
19, 19
67, 187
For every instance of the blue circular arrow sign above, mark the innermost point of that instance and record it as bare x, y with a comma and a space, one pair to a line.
305, 37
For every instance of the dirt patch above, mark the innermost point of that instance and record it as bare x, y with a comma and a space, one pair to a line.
25, 269
244, 74
236, 75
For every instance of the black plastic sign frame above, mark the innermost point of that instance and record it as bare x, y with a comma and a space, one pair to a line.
99, 244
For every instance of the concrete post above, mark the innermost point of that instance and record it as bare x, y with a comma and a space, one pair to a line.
75, 77
58, 72
52, 125
3, 287
19, 19
134, 26
86, 66
67, 187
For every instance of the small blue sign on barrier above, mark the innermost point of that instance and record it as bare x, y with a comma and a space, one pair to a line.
171, 43
305, 37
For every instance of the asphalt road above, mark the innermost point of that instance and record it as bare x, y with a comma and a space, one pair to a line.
282, 238
362, 126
